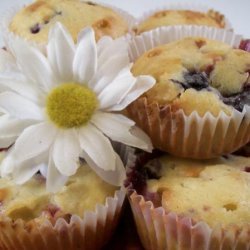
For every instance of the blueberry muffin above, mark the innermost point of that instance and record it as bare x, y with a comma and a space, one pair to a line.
195, 78
35, 20
181, 17
57, 221
213, 193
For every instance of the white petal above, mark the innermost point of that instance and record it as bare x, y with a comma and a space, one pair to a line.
103, 44
97, 146
143, 137
33, 141
17, 82
61, 51
7, 165
7, 61
10, 129
115, 177
3, 112
115, 91
25, 170
19, 107
66, 151
34, 64
109, 71
112, 58
118, 129
107, 47
85, 61
7, 141
143, 84
44, 170
55, 180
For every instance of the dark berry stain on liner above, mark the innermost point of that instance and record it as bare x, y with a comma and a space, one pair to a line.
6, 149
146, 167
152, 169
245, 151
247, 169
245, 45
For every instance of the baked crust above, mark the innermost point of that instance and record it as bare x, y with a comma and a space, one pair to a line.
214, 191
181, 17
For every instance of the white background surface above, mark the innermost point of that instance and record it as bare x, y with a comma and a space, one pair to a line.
237, 11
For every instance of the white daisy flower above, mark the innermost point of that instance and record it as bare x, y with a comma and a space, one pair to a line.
62, 106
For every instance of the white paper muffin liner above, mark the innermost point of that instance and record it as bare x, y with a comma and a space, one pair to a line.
160, 230
174, 132
8, 15
183, 6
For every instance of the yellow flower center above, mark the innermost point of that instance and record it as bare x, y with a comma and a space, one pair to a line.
71, 105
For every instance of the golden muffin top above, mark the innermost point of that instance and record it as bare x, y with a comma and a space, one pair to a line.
31, 200
181, 17
197, 74
215, 191
35, 20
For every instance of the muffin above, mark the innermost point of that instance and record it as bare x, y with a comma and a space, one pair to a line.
169, 17
191, 204
34, 21
32, 218
201, 86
